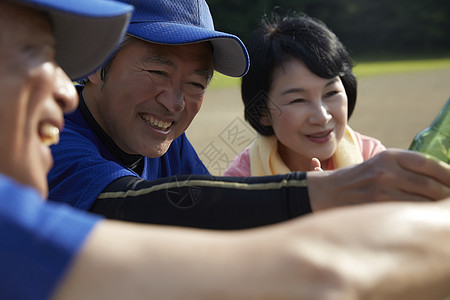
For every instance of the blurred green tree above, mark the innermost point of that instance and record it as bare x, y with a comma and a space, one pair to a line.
366, 27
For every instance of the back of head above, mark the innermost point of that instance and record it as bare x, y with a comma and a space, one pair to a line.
293, 36
177, 22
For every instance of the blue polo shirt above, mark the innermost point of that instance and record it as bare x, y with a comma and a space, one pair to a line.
38, 241
84, 165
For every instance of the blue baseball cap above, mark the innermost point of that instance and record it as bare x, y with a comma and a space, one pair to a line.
86, 31
177, 22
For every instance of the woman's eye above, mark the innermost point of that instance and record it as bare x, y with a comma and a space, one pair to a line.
332, 93
297, 100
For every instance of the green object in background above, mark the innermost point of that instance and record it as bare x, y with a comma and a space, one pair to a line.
435, 140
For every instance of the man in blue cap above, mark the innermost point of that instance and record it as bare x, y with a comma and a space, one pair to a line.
48, 250
129, 131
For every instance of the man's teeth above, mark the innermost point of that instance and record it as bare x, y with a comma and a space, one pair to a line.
155, 122
49, 134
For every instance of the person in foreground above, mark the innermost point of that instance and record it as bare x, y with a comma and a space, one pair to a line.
53, 251
298, 95
127, 135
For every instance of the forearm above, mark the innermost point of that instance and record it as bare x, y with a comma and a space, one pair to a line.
380, 251
206, 201
121, 261
131, 261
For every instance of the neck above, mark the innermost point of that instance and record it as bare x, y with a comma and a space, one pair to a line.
89, 95
297, 162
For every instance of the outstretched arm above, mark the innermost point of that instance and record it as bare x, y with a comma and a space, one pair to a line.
377, 251
236, 203
206, 202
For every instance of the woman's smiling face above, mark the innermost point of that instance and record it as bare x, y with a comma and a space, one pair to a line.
308, 114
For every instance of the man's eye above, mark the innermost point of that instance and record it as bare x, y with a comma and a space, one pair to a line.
46, 52
198, 85
156, 72
158, 77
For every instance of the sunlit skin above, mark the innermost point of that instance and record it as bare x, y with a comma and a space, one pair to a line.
308, 114
150, 95
35, 92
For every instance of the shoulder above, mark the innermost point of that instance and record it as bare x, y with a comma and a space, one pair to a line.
370, 146
181, 158
76, 125
240, 166
181, 142
10, 189
34, 229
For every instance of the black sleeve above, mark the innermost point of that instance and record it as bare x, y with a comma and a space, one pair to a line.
205, 201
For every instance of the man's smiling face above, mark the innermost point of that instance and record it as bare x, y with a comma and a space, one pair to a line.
35, 93
151, 94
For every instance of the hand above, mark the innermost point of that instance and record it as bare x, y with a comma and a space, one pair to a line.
315, 164
392, 175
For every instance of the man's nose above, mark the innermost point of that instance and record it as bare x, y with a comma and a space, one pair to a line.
64, 92
172, 99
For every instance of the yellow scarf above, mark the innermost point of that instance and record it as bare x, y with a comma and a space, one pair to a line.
265, 159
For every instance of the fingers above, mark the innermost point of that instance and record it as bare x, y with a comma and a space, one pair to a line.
415, 177
315, 165
424, 175
426, 165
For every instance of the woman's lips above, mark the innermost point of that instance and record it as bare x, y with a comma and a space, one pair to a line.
320, 137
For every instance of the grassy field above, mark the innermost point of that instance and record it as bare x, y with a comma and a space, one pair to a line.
361, 69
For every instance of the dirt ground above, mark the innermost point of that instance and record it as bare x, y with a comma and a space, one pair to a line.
392, 108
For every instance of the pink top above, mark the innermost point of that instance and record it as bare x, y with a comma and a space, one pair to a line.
240, 166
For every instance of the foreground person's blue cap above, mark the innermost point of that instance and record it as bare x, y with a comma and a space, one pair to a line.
187, 21
86, 31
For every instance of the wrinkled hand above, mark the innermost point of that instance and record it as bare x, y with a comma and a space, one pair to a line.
392, 175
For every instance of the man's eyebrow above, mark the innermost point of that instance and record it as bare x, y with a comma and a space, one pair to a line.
207, 73
159, 59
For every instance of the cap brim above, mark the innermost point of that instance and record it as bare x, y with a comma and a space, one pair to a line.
86, 31
230, 55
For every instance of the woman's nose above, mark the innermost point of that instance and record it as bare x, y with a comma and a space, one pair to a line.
320, 114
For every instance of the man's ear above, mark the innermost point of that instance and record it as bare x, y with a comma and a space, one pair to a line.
95, 77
